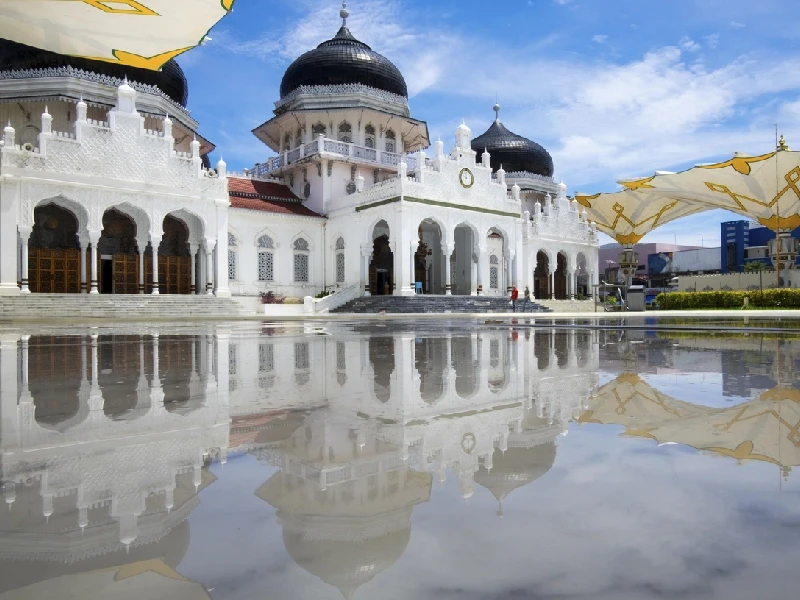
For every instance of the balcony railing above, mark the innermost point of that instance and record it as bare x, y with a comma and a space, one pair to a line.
327, 146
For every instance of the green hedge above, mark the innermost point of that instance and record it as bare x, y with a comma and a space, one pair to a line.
771, 298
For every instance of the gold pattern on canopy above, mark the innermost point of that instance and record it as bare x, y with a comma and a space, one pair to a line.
627, 216
765, 188
138, 33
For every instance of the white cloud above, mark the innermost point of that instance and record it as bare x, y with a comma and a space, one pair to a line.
712, 40
735, 25
689, 44
600, 38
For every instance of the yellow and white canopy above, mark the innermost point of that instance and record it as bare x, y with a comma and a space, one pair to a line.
138, 33
630, 214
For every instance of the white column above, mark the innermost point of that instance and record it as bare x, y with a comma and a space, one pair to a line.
366, 257
446, 252
483, 269
509, 272
222, 290
192, 268
25, 234
84, 243
10, 415
155, 242
9, 237
141, 246
552, 276
209, 248
94, 238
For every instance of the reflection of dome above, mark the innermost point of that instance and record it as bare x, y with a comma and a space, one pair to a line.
513, 152
516, 467
170, 79
346, 565
343, 60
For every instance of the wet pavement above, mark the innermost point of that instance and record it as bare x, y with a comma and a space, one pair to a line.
474, 459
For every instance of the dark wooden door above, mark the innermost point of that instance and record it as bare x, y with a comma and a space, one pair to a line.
54, 271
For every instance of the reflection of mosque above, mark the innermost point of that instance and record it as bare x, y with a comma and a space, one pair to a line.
105, 443
393, 412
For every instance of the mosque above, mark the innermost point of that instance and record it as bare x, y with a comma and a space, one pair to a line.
107, 188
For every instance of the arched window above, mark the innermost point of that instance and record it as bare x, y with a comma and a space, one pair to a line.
298, 138
266, 258
231, 257
340, 260
301, 260
287, 142
391, 141
318, 129
345, 132
494, 272
369, 136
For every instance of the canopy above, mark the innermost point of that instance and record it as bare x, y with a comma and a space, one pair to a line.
630, 214
138, 33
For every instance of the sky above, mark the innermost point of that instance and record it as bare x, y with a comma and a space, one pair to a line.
613, 89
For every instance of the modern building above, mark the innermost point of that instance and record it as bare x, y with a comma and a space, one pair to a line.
106, 187
744, 243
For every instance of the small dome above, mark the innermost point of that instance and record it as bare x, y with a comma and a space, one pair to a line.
514, 152
170, 79
343, 60
516, 467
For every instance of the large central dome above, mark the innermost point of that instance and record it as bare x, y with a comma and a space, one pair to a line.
343, 60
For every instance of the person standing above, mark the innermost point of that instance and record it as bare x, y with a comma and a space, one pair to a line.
526, 299
514, 296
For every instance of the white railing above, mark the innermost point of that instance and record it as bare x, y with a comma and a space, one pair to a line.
329, 146
317, 306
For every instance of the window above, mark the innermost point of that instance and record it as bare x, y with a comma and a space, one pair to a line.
231, 257
233, 383
369, 136
340, 260
341, 363
298, 138
390, 141
345, 132
318, 129
301, 260
287, 142
302, 363
494, 272
266, 259
266, 366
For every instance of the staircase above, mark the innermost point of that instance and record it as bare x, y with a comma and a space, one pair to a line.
37, 307
425, 303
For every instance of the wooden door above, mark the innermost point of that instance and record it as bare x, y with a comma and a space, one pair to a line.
54, 271
126, 273
173, 274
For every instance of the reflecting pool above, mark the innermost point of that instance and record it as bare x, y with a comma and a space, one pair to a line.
395, 460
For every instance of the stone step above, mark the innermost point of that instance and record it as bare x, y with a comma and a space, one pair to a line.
431, 304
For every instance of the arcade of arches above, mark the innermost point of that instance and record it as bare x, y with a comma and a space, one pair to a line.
565, 282
61, 260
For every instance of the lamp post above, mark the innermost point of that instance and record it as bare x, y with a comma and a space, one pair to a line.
702, 241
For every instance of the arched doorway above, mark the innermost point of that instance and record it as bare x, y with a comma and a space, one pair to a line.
381, 267
118, 256
465, 363
54, 252
498, 283
120, 360
463, 268
58, 368
582, 275
174, 261
541, 276
381, 357
560, 277
430, 356
428, 258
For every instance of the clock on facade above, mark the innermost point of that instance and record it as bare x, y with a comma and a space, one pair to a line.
466, 177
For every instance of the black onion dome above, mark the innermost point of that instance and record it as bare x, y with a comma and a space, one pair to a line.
170, 79
343, 60
512, 151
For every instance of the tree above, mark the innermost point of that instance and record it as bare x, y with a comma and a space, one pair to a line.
754, 266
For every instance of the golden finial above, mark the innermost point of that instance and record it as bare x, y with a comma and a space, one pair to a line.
782, 145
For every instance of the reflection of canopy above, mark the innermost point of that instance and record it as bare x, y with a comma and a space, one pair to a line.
765, 429
765, 187
139, 33
133, 581
628, 215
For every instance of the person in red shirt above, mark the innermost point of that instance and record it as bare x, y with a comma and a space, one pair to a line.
514, 296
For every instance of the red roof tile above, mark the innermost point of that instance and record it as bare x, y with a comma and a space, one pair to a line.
267, 196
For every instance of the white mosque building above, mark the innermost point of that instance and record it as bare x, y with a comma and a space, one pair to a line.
103, 174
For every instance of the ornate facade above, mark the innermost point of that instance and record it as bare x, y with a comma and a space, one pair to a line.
94, 198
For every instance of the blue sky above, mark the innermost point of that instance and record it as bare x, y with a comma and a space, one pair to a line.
612, 88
